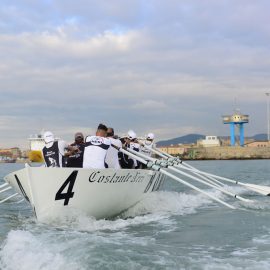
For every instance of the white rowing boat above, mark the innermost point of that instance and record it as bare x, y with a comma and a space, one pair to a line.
99, 193
53, 192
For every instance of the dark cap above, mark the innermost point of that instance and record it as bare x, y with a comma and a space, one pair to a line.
78, 135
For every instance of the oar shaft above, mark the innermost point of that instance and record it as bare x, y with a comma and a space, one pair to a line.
5, 189
167, 156
4, 185
195, 188
210, 180
198, 173
154, 150
155, 167
9, 197
140, 155
219, 177
205, 182
20, 201
162, 153
264, 190
133, 156
165, 164
130, 154
210, 185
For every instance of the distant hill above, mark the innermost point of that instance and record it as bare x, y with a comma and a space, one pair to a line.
259, 137
192, 138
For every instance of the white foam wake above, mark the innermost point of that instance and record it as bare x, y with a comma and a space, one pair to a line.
156, 207
23, 251
168, 203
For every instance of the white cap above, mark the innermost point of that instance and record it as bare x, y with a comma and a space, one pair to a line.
150, 136
48, 137
132, 135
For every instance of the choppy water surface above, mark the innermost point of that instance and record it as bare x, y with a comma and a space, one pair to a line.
175, 228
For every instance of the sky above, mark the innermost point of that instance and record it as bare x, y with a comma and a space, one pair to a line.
171, 67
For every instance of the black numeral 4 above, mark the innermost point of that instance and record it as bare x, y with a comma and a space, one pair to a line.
69, 194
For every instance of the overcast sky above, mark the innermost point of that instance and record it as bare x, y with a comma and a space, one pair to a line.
171, 67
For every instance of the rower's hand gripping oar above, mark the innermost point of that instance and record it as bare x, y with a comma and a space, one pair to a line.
155, 167
264, 190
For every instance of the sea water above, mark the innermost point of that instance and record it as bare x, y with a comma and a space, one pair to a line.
175, 228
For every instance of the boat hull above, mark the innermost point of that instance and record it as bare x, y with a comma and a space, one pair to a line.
53, 192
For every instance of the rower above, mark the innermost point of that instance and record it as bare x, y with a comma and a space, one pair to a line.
112, 155
75, 160
149, 142
96, 148
125, 161
134, 145
54, 151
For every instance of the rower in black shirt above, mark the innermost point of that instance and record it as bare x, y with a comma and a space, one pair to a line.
75, 160
54, 151
124, 160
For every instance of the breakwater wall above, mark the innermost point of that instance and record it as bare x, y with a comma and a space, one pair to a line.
226, 152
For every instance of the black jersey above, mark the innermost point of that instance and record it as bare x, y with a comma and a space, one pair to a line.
52, 156
125, 161
76, 160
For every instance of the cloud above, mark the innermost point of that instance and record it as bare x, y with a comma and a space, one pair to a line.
149, 105
131, 65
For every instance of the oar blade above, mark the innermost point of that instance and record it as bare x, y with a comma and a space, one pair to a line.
264, 190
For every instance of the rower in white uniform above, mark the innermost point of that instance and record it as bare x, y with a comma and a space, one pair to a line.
112, 159
96, 148
134, 145
149, 142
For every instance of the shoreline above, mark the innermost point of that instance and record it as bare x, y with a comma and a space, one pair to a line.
224, 153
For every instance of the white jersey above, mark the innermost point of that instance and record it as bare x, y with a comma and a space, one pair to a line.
95, 152
112, 154
146, 151
136, 147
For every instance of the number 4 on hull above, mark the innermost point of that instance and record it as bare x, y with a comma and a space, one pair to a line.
60, 195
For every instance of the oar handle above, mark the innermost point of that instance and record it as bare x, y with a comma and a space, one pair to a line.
149, 164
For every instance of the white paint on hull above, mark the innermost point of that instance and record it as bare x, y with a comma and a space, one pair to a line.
98, 193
